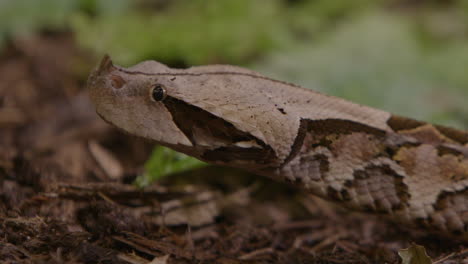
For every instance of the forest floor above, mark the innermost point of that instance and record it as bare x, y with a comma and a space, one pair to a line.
66, 192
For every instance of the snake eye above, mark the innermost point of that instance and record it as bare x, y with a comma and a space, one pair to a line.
158, 93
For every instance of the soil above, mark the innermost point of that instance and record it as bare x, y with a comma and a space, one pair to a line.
67, 192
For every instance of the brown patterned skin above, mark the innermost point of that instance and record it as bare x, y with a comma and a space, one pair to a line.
363, 158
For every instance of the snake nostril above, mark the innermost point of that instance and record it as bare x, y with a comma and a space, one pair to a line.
117, 81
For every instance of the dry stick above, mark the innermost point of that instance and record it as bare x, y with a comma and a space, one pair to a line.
328, 241
256, 253
451, 255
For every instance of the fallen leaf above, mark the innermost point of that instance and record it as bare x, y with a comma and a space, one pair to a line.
415, 254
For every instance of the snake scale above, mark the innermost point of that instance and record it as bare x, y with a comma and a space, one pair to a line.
360, 157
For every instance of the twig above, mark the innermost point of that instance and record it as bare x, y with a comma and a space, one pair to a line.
256, 253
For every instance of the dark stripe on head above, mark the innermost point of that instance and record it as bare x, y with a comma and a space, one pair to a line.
198, 124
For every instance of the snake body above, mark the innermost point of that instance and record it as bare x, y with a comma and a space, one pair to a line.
360, 157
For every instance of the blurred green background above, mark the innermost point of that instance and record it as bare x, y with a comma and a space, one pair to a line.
407, 57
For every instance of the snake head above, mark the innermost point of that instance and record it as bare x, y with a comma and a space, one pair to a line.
130, 102
182, 109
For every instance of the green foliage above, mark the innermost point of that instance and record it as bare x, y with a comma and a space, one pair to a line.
19, 18
192, 31
23, 17
308, 18
164, 161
